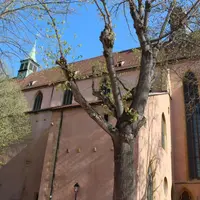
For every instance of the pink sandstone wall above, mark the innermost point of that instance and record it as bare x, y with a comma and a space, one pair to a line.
94, 170
53, 95
47, 172
179, 134
20, 178
151, 151
40, 122
31, 94
34, 165
12, 177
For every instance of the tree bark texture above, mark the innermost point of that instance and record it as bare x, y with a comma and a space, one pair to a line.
123, 169
144, 83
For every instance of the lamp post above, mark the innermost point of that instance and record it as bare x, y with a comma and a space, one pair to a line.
76, 188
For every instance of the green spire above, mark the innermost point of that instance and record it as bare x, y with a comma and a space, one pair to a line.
32, 53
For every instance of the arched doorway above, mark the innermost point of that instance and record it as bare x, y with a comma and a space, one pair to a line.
185, 196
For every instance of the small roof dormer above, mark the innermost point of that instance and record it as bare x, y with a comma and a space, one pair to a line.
28, 65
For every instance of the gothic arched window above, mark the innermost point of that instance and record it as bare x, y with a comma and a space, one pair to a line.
67, 97
185, 196
163, 132
150, 184
38, 101
192, 111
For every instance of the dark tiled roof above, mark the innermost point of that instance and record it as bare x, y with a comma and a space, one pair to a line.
55, 74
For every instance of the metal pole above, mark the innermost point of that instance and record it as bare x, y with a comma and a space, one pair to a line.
75, 195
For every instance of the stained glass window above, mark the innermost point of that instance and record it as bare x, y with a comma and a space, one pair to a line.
192, 108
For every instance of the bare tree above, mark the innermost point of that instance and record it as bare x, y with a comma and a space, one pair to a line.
152, 40
155, 29
20, 22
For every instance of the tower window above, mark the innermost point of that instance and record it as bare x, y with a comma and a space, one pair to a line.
34, 68
22, 66
31, 66
163, 132
68, 95
38, 102
192, 112
25, 65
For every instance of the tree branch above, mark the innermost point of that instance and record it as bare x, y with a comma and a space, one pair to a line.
140, 7
167, 18
33, 5
101, 11
117, 5
139, 26
84, 104
107, 12
77, 94
192, 9
54, 27
107, 39
146, 13
104, 98
123, 85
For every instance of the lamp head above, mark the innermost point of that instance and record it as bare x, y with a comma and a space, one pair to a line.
76, 187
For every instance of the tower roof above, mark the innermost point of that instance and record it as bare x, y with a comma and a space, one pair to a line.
32, 53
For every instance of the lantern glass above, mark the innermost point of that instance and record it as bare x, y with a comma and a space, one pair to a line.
76, 187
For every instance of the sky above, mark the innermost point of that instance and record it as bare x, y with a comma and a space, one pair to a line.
82, 28
87, 25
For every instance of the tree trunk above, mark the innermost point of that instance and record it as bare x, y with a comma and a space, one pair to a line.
123, 169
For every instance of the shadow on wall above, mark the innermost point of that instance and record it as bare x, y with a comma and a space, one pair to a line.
20, 177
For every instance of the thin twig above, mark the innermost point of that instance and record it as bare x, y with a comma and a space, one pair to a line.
101, 11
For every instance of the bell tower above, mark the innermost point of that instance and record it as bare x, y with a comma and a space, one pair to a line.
28, 65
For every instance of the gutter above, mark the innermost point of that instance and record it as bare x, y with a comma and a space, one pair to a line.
56, 156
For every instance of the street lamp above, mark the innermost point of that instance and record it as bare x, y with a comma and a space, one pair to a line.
76, 188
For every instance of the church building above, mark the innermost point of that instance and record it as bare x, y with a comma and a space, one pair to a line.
71, 157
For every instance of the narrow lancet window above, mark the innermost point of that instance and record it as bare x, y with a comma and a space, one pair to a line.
38, 101
68, 95
192, 111
163, 132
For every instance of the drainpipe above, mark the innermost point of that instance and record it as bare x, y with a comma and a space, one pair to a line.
55, 156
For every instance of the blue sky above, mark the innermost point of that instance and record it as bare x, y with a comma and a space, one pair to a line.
86, 25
